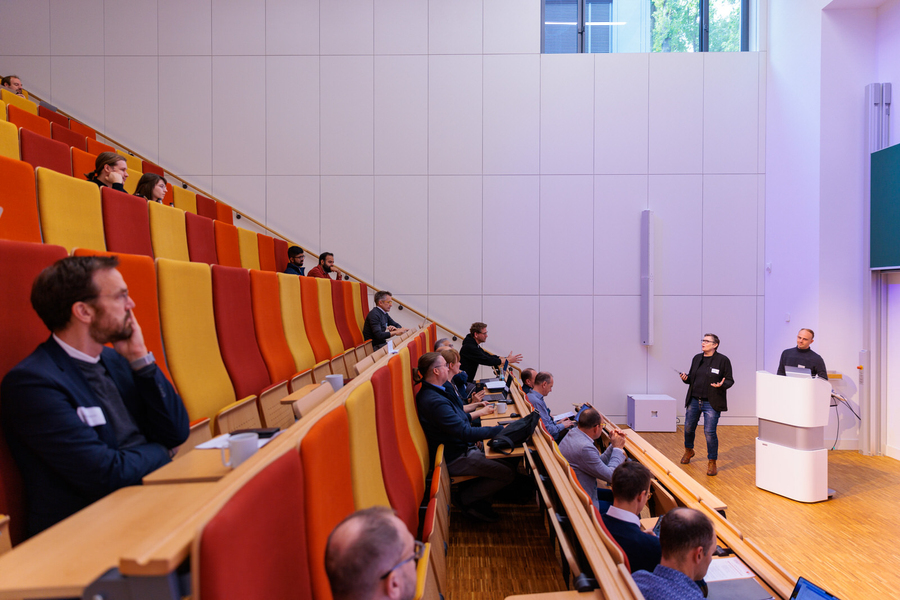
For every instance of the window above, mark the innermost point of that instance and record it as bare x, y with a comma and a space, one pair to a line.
595, 26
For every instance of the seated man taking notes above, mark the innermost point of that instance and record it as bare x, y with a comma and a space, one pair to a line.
587, 462
379, 326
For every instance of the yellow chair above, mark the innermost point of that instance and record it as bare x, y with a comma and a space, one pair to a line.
326, 316
184, 199
70, 211
131, 183
412, 416
2, 110
292, 320
19, 101
357, 306
9, 140
249, 248
134, 163
167, 232
365, 460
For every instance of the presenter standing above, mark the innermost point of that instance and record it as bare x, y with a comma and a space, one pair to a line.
802, 356
707, 380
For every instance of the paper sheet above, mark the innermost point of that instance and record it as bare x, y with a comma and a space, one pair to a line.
221, 441
727, 568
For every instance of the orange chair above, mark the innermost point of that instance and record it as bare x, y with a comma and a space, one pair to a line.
223, 213
340, 316
350, 314
40, 151
312, 319
412, 415
53, 116
20, 221
228, 249
82, 163
82, 129
266, 246
95, 147
26, 120
408, 453
67, 136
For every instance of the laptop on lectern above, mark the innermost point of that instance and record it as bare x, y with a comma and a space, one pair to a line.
806, 590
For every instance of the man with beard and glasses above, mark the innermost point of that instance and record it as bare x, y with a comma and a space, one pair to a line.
325, 268
81, 419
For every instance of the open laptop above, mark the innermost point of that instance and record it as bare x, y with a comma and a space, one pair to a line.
806, 590
503, 396
798, 372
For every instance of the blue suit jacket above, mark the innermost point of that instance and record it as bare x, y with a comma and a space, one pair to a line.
376, 325
642, 549
65, 463
445, 422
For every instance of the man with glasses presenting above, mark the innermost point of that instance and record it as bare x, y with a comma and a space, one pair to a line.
371, 554
707, 380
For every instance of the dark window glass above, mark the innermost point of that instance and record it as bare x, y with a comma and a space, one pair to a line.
560, 26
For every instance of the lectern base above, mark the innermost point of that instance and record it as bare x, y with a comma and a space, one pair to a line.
800, 475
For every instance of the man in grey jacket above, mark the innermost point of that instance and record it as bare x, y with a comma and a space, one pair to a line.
579, 449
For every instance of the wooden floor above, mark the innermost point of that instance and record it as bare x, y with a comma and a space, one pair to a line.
850, 545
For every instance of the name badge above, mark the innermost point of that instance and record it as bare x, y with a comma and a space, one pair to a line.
800, 367
714, 371
91, 416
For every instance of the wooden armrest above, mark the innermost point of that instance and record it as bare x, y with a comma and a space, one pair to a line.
5, 541
200, 432
243, 414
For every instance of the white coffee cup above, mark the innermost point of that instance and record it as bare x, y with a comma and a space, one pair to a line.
242, 447
336, 381
500, 407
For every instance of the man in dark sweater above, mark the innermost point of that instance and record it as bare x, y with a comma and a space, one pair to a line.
803, 357
471, 355
631, 490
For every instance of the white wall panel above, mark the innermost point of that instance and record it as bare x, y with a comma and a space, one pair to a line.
76, 27
567, 232
401, 115
292, 115
455, 311
512, 114
513, 327
454, 114
508, 250
621, 108
677, 203
566, 325
454, 236
246, 193
512, 26
239, 27
676, 112
292, 27
401, 234
567, 113
185, 128
761, 107
185, 27
677, 336
130, 27
730, 112
23, 28
401, 26
292, 208
201, 181
761, 234
239, 130
455, 27
618, 203
347, 215
73, 91
132, 103
620, 360
733, 319
407, 318
35, 71
346, 115
760, 333
346, 27
730, 235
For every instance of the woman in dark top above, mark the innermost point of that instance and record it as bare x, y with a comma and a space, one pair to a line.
152, 187
110, 170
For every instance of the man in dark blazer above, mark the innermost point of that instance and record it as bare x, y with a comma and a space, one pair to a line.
379, 326
471, 354
708, 379
83, 420
631, 490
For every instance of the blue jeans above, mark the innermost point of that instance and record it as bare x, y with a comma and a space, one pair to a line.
710, 420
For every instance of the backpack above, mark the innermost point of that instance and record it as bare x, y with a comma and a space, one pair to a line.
515, 434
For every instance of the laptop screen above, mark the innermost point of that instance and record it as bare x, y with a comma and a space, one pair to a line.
805, 590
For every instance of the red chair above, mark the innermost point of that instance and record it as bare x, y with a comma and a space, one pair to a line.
126, 223
149, 167
22, 331
40, 151
82, 129
201, 238
281, 257
68, 137
312, 320
20, 221
26, 120
364, 299
95, 147
350, 312
53, 116
223, 213
256, 544
340, 315
206, 207
228, 248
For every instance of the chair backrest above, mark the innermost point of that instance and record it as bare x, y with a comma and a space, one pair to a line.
149, 167
364, 302
224, 213
189, 334
82, 129
40, 151
340, 315
234, 326
408, 450
70, 210
68, 137
184, 199
201, 238
82, 163
325, 453
349, 314
358, 292
16, 101
365, 456
412, 414
20, 220
26, 120
134, 163
9, 140
249, 248
255, 545
53, 116
309, 292
292, 321
206, 207
397, 482
326, 315
281, 257
167, 232
131, 182
21, 330
95, 147
266, 249
269, 330
228, 248
126, 223
318, 394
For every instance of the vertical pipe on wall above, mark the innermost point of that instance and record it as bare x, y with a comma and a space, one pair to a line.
647, 290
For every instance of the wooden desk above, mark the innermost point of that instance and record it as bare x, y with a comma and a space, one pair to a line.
491, 453
197, 466
63, 560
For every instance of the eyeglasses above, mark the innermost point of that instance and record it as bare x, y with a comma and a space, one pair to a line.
707, 341
418, 551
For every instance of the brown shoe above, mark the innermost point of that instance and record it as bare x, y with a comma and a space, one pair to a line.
688, 455
711, 469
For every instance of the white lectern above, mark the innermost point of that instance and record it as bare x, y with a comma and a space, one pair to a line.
791, 458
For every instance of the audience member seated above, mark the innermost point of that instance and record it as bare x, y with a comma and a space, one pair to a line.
687, 539
528, 379
325, 267
371, 555
152, 187
379, 326
110, 170
13, 84
83, 420
543, 385
442, 343
456, 387
586, 460
295, 261
445, 422
631, 490
471, 354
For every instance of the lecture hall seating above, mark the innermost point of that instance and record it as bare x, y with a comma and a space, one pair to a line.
201, 239
65, 135
126, 223
27, 120
18, 197
70, 210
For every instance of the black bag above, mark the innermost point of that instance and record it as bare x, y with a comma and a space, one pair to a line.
515, 434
